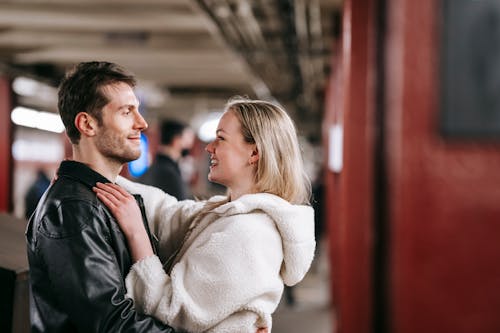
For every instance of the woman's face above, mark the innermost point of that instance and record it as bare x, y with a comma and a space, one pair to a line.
232, 160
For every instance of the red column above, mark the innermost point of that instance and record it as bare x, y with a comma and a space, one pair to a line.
5, 145
350, 103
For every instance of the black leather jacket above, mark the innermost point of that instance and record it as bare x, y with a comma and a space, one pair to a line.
78, 261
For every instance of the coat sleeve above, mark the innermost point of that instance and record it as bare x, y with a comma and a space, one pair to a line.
231, 271
80, 248
168, 218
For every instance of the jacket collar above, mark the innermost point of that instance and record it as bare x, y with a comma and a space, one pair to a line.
80, 172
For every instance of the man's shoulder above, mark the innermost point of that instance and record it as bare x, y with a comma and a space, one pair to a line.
158, 173
164, 162
68, 190
67, 208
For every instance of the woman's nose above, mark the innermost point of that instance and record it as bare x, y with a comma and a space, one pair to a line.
210, 147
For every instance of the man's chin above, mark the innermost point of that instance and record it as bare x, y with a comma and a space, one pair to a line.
128, 158
134, 155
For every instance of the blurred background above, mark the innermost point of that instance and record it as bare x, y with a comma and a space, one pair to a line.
397, 105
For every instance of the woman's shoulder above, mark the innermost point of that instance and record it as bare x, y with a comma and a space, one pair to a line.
275, 207
248, 220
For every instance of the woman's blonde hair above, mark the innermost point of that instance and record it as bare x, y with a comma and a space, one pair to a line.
280, 168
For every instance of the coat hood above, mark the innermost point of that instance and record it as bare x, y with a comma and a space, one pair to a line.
295, 223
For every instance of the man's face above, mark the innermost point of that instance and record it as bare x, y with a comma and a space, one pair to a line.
119, 136
187, 138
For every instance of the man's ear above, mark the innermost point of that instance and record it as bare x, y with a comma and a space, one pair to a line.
86, 124
255, 156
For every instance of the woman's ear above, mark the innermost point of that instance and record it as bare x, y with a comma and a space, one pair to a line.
254, 157
86, 124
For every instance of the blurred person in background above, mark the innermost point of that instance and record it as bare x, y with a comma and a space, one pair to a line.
223, 262
35, 192
176, 141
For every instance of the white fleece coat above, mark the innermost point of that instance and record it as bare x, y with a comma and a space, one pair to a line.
231, 269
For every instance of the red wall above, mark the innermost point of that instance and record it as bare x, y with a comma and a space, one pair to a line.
349, 101
5, 146
444, 195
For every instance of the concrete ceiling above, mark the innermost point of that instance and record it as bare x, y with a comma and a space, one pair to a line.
190, 56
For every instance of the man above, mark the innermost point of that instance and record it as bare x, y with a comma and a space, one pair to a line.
176, 140
77, 254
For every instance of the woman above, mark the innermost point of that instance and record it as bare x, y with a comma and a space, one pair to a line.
226, 258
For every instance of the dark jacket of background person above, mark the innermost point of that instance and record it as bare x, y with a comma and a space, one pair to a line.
34, 193
165, 174
75, 235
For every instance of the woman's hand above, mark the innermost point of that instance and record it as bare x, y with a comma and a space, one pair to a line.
122, 205
128, 215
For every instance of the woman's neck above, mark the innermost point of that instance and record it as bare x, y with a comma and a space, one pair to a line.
236, 193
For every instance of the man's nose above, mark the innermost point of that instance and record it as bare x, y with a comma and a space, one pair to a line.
140, 122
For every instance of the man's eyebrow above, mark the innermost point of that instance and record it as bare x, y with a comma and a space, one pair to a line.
129, 105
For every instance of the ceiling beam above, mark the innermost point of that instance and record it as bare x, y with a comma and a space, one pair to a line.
100, 18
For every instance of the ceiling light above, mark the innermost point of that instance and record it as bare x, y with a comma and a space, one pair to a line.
25, 86
46, 121
206, 132
51, 151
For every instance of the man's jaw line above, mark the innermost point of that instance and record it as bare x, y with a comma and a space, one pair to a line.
106, 166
